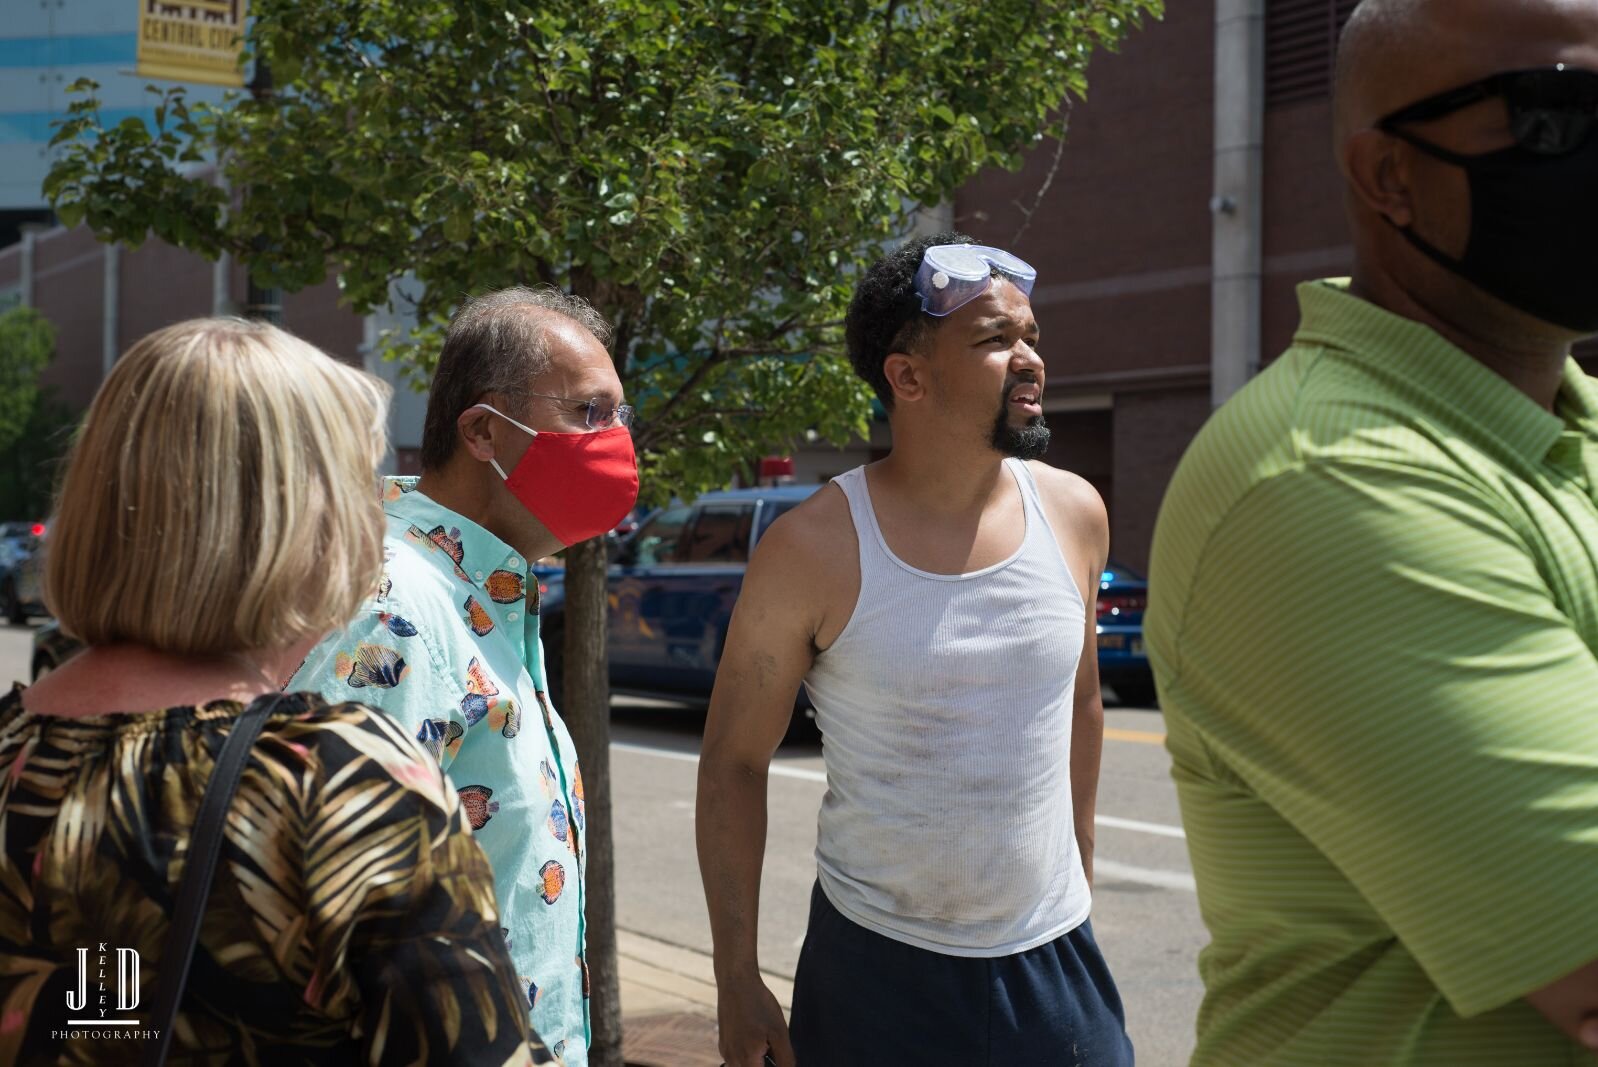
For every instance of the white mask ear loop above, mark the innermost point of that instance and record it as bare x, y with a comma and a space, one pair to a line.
525, 429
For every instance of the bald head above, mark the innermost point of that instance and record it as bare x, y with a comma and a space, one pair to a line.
1395, 52
1433, 238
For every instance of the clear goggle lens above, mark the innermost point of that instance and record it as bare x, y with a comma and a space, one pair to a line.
951, 276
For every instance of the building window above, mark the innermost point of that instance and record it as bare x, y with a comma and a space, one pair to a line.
1300, 48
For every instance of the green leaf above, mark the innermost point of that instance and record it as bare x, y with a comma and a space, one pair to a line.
457, 228
69, 213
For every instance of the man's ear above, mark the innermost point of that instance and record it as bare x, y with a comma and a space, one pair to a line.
907, 376
1379, 175
475, 426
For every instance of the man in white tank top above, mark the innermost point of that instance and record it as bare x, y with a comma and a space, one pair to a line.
938, 606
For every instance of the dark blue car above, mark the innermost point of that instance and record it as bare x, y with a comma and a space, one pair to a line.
674, 580
1123, 664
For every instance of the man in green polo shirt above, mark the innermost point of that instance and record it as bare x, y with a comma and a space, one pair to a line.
1374, 598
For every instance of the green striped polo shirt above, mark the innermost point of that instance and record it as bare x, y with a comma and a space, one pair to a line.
1373, 619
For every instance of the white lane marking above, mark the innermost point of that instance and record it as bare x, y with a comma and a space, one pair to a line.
1148, 876
809, 775
778, 769
1140, 826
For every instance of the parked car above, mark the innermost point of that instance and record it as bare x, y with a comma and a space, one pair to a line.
673, 583
21, 558
672, 586
1123, 663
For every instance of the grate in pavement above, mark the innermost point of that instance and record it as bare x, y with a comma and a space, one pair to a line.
676, 1040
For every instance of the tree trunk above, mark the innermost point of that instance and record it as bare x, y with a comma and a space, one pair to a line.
587, 712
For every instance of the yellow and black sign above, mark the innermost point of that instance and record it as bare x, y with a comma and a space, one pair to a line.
192, 41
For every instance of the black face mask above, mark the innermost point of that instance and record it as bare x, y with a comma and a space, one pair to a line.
1533, 230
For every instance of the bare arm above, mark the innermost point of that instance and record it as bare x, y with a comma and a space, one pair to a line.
1077, 514
1572, 1005
770, 646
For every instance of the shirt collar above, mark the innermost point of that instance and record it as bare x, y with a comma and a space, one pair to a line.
1447, 377
474, 552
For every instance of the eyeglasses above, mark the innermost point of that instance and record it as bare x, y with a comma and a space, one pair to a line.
1552, 111
601, 414
951, 276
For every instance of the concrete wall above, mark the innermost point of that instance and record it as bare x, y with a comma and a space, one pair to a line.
158, 285
68, 288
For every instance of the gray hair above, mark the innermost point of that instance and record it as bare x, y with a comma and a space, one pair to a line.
496, 343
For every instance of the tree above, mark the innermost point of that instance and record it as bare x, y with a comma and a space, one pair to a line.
27, 345
28, 468
709, 174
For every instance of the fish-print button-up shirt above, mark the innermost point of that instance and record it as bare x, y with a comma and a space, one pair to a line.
449, 647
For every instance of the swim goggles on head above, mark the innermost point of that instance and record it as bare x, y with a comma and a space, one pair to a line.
951, 276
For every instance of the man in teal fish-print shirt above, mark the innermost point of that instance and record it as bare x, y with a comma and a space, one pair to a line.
526, 448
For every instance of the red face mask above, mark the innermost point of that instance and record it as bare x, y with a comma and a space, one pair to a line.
579, 485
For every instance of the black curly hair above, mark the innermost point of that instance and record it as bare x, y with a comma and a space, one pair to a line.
885, 314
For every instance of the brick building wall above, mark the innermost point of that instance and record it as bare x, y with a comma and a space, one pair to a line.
157, 286
1122, 244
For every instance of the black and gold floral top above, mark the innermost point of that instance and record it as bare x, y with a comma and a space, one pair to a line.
352, 919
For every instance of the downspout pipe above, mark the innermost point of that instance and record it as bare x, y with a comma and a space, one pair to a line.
1237, 206
112, 311
30, 242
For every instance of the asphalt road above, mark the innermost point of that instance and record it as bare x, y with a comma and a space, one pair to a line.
1145, 915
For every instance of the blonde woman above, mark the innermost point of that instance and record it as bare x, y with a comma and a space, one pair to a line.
217, 517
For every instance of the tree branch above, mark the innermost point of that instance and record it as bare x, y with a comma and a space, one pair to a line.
887, 39
715, 358
549, 102
1043, 190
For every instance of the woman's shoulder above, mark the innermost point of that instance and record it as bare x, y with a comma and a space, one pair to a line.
13, 720
355, 745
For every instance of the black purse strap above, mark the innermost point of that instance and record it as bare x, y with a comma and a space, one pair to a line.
205, 846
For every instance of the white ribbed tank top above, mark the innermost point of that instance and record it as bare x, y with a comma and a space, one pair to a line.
945, 707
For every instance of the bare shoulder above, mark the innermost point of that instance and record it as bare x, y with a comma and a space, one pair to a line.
808, 565
1070, 495
1075, 508
815, 532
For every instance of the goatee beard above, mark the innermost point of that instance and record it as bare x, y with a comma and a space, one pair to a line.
1020, 442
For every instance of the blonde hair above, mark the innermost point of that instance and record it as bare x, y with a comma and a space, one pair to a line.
221, 494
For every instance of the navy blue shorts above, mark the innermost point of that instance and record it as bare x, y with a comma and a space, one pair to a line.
864, 1000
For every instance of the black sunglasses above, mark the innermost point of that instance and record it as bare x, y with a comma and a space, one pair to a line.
1551, 111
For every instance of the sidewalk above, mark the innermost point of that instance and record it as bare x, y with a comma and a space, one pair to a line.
668, 1003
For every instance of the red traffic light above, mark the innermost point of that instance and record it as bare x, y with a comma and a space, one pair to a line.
38, 529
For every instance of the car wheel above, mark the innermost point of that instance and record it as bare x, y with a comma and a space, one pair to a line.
1136, 692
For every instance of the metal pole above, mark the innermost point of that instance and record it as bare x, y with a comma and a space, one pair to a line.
260, 300
1238, 203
